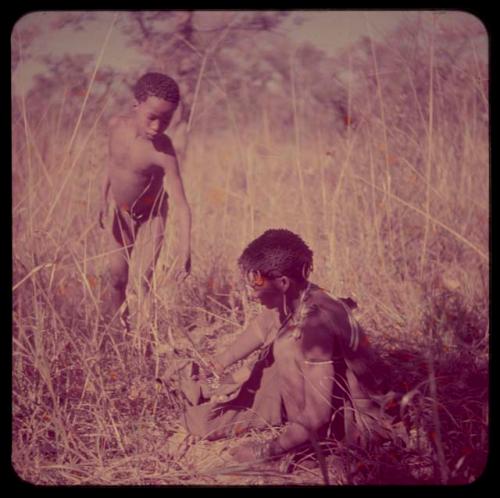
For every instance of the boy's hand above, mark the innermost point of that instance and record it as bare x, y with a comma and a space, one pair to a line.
103, 216
183, 272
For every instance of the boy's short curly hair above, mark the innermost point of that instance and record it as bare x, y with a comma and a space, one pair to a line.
157, 85
278, 252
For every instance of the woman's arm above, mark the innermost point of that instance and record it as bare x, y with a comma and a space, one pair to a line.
313, 375
248, 341
317, 409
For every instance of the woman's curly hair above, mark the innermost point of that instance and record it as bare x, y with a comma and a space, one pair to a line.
278, 252
157, 85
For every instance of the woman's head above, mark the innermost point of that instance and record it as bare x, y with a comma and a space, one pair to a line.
274, 262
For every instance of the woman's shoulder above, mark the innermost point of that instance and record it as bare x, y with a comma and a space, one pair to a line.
326, 315
322, 305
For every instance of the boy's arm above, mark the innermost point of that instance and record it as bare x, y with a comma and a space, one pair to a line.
112, 123
105, 205
175, 189
105, 189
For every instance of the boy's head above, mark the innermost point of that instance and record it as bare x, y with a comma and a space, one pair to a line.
157, 85
273, 260
156, 99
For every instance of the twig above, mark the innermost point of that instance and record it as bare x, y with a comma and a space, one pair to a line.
31, 273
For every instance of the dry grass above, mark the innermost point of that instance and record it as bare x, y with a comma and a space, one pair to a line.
397, 219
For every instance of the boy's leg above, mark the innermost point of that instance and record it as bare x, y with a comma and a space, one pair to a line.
149, 247
155, 231
122, 241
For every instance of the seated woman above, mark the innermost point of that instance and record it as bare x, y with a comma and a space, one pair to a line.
315, 372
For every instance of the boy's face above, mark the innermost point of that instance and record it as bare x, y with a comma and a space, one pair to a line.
153, 116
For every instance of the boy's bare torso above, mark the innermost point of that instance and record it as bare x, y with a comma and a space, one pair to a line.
136, 180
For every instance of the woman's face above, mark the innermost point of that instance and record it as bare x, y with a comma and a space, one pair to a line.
266, 290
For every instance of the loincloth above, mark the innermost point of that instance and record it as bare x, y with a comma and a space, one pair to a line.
148, 207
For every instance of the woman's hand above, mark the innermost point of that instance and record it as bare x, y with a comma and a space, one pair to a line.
216, 368
252, 451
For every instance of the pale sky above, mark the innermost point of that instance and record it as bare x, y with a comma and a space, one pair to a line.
328, 29
334, 30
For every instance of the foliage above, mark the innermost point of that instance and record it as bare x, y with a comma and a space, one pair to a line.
378, 157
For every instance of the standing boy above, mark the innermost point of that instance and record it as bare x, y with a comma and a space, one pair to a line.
143, 177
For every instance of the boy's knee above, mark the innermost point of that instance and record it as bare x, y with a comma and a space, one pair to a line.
146, 283
148, 276
118, 279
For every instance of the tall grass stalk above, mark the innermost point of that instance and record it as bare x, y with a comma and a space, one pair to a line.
71, 141
297, 153
428, 169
